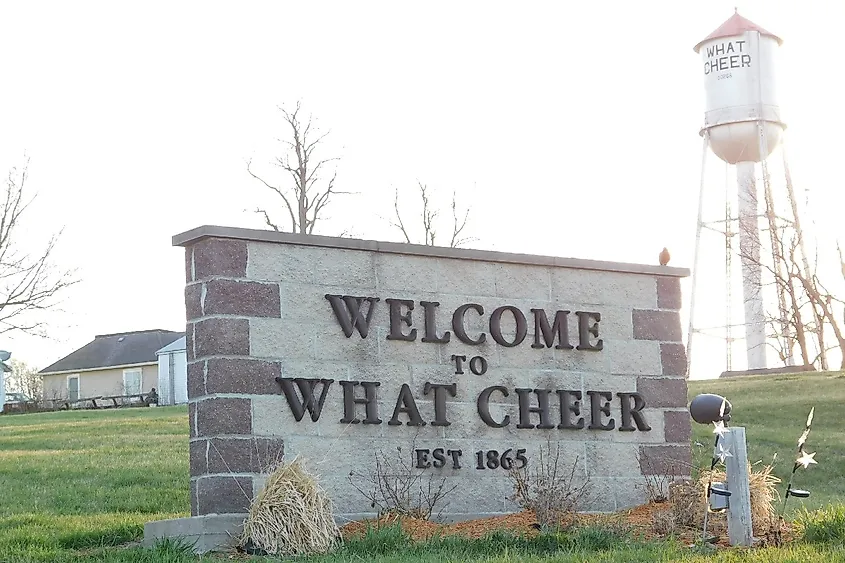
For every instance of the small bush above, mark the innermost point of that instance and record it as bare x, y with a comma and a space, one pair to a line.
687, 504
551, 490
397, 487
826, 525
663, 523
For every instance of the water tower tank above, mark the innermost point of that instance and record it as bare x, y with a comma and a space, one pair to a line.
738, 61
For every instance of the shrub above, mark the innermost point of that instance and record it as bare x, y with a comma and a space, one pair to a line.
549, 489
687, 504
659, 475
396, 486
663, 523
826, 525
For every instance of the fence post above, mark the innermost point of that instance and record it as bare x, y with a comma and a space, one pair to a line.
740, 531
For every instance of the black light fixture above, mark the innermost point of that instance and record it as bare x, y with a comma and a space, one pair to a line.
709, 408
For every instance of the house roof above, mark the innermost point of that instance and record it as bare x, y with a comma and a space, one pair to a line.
176, 346
733, 26
112, 350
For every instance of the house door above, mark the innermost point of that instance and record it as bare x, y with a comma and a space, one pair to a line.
73, 388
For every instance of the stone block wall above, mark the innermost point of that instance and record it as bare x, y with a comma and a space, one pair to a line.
258, 315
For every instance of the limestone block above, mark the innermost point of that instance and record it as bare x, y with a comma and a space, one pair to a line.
397, 274
523, 282
455, 277
613, 460
639, 357
311, 265
277, 339
604, 288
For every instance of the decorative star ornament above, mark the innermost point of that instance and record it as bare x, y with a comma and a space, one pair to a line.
724, 453
720, 429
806, 459
803, 439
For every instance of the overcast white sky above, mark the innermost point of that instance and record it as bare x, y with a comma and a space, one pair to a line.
571, 127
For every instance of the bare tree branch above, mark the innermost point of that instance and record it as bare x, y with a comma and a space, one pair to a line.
458, 225
29, 284
399, 224
804, 292
303, 198
428, 219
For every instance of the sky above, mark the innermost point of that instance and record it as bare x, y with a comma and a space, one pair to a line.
571, 129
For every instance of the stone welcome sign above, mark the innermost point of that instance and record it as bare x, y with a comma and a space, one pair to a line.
466, 362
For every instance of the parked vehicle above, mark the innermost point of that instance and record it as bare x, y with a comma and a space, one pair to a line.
14, 398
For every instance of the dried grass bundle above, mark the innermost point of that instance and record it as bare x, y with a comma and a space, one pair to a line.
764, 494
292, 515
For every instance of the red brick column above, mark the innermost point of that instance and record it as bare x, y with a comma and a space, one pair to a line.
225, 453
668, 390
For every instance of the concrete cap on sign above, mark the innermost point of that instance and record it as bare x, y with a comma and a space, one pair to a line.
212, 231
736, 25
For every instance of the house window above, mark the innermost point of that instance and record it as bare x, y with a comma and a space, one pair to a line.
132, 381
73, 387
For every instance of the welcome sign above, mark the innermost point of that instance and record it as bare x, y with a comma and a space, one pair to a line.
355, 313
467, 363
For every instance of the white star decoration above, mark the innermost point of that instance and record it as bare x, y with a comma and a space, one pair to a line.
803, 439
723, 453
720, 429
806, 459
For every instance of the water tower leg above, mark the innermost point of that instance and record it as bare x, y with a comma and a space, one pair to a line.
695, 272
749, 249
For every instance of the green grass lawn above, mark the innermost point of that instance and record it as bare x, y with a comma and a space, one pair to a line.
77, 487
773, 411
78, 480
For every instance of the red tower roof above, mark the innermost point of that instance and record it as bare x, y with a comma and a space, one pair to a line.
736, 25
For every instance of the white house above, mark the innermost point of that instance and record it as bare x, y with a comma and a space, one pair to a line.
173, 373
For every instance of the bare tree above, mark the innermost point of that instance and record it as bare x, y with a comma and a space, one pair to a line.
30, 283
428, 216
25, 379
312, 181
810, 306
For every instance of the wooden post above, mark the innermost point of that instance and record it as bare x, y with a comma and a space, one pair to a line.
739, 507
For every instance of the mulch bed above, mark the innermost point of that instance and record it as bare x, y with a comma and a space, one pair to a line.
639, 520
418, 529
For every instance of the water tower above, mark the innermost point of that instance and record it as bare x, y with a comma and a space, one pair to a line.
742, 127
